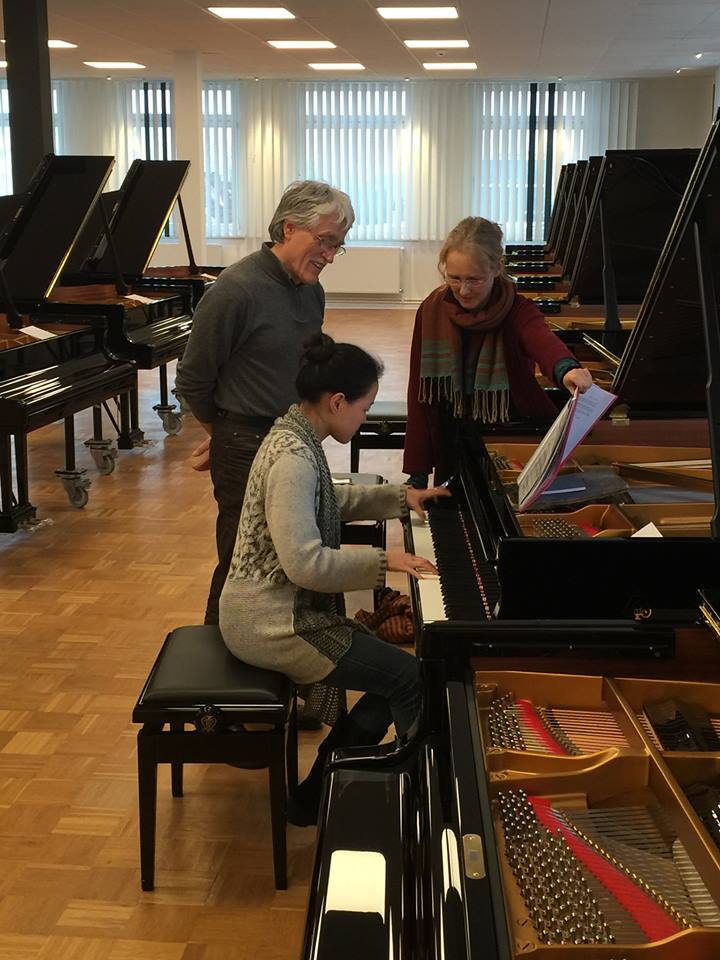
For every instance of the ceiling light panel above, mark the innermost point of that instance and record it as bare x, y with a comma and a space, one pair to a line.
336, 66
252, 13
114, 65
436, 44
418, 13
58, 45
446, 65
302, 44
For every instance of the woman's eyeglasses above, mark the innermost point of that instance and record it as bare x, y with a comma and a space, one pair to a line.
472, 283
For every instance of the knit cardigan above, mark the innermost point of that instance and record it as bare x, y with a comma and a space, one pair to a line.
274, 610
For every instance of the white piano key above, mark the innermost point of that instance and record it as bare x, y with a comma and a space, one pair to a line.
432, 604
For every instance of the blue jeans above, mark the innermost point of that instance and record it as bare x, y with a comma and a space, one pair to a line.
390, 680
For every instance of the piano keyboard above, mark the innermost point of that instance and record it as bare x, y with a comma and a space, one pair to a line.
466, 587
601, 875
429, 588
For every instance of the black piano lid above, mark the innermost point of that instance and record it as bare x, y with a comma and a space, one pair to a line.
52, 212
147, 197
576, 179
592, 172
640, 191
664, 368
90, 236
563, 186
9, 206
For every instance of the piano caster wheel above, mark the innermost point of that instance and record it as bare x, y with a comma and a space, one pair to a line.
78, 497
105, 465
76, 486
172, 423
104, 454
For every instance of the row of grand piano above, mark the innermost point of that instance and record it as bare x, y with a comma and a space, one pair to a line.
561, 795
83, 313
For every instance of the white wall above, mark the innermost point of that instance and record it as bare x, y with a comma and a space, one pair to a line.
419, 273
674, 112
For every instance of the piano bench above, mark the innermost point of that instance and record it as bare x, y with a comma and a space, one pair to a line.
205, 696
384, 429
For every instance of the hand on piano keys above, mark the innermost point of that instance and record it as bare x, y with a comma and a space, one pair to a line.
400, 562
415, 498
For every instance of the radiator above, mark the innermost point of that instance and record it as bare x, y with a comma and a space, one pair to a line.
364, 271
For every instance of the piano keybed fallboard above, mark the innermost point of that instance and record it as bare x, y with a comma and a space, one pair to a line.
598, 849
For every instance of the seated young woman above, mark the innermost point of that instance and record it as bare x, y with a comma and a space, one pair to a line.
282, 606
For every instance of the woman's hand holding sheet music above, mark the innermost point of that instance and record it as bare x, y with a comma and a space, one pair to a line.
577, 377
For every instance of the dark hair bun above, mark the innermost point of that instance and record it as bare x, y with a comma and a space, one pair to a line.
329, 367
318, 349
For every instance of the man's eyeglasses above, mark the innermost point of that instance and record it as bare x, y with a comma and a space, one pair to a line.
473, 283
329, 246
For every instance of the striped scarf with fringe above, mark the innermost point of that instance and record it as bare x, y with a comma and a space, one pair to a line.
462, 360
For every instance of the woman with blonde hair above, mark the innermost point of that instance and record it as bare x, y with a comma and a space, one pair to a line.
475, 347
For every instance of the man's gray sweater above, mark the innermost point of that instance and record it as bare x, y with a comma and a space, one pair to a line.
247, 338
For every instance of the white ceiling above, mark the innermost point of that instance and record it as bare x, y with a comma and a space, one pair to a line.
530, 39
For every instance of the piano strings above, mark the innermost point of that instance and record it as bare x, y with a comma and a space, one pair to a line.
601, 875
520, 725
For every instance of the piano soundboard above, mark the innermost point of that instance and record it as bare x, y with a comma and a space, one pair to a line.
597, 843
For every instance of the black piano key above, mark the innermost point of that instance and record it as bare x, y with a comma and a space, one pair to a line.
468, 582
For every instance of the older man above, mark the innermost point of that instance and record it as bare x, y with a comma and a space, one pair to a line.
239, 368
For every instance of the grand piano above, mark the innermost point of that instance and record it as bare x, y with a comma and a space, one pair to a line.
636, 194
138, 214
49, 373
120, 238
535, 277
148, 327
565, 812
544, 254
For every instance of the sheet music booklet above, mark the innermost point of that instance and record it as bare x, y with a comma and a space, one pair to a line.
572, 425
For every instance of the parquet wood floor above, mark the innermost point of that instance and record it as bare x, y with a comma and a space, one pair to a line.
86, 601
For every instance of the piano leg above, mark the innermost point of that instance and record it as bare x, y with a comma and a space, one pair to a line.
75, 482
130, 435
171, 421
124, 441
14, 510
136, 434
103, 451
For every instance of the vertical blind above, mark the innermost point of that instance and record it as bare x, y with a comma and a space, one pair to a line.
414, 157
126, 119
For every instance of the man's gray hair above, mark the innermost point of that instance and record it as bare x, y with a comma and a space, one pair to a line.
305, 201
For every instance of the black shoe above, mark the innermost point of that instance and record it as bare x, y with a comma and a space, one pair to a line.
300, 814
308, 723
